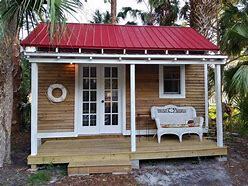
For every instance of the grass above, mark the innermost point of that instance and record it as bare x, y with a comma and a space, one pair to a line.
42, 177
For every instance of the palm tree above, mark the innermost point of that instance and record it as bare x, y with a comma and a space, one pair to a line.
102, 18
234, 42
203, 17
161, 12
14, 15
113, 11
234, 29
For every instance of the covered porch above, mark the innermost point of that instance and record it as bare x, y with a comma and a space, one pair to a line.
115, 149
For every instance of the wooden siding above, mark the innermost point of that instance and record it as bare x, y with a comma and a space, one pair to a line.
56, 117
147, 93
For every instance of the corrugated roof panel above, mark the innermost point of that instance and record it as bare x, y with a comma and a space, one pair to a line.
98, 36
121, 37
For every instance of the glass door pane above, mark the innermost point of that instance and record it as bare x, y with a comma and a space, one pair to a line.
89, 96
111, 100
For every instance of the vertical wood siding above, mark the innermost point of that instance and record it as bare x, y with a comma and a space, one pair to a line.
147, 92
57, 117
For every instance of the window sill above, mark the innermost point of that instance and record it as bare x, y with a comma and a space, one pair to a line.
172, 96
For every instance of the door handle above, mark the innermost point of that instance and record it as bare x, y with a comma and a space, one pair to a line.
102, 101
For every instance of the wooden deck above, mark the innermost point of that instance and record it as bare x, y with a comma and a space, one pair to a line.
118, 148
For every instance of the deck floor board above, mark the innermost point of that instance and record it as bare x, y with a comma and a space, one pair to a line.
66, 150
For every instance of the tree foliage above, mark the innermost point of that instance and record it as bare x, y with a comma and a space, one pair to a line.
234, 28
159, 12
27, 13
99, 17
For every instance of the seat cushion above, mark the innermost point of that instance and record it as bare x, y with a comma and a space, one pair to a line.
179, 125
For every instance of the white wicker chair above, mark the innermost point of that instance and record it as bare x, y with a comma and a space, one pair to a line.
171, 119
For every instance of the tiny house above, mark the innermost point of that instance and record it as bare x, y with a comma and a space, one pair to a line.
93, 88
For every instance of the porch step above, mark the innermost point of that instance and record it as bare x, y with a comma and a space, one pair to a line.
104, 166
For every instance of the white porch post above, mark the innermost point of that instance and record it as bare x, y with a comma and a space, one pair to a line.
34, 92
132, 107
218, 100
206, 96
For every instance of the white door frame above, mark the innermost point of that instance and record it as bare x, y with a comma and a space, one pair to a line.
100, 107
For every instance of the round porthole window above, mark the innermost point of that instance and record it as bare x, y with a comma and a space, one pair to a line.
61, 93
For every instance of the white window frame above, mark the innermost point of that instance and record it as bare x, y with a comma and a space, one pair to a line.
161, 83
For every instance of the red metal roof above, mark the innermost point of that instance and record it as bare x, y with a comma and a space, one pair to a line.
102, 36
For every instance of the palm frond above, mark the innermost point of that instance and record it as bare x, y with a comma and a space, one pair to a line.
240, 79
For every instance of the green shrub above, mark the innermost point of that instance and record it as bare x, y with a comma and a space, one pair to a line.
40, 177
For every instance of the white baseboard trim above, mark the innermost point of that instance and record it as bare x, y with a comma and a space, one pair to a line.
56, 135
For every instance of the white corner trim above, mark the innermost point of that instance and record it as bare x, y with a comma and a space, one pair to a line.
182, 83
34, 109
123, 78
76, 100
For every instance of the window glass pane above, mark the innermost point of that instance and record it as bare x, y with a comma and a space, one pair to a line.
93, 72
114, 119
85, 120
106, 71
107, 107
93, 96
85, 96
115, 95
85, 71
107, 119
114, 107
171, 72
172, 86
107, 83
114, 72
92, 120
85, 84
93, 84
93, 108
85, 108
114, 83
171, 75
107, 95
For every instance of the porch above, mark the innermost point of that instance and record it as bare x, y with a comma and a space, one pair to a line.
99, 154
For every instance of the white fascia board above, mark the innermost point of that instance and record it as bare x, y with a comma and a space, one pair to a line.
141, 56
123, 61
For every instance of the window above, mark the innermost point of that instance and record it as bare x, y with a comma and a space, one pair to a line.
172, 81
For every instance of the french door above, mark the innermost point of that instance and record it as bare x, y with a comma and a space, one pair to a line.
100, 96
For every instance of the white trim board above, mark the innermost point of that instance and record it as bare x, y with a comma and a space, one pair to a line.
124, 61
124, 56
56, 134
34, 109
76, 98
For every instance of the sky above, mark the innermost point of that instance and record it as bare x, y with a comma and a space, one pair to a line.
85, 14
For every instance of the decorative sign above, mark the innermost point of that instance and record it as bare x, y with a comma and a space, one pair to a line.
50, 95
171, 110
